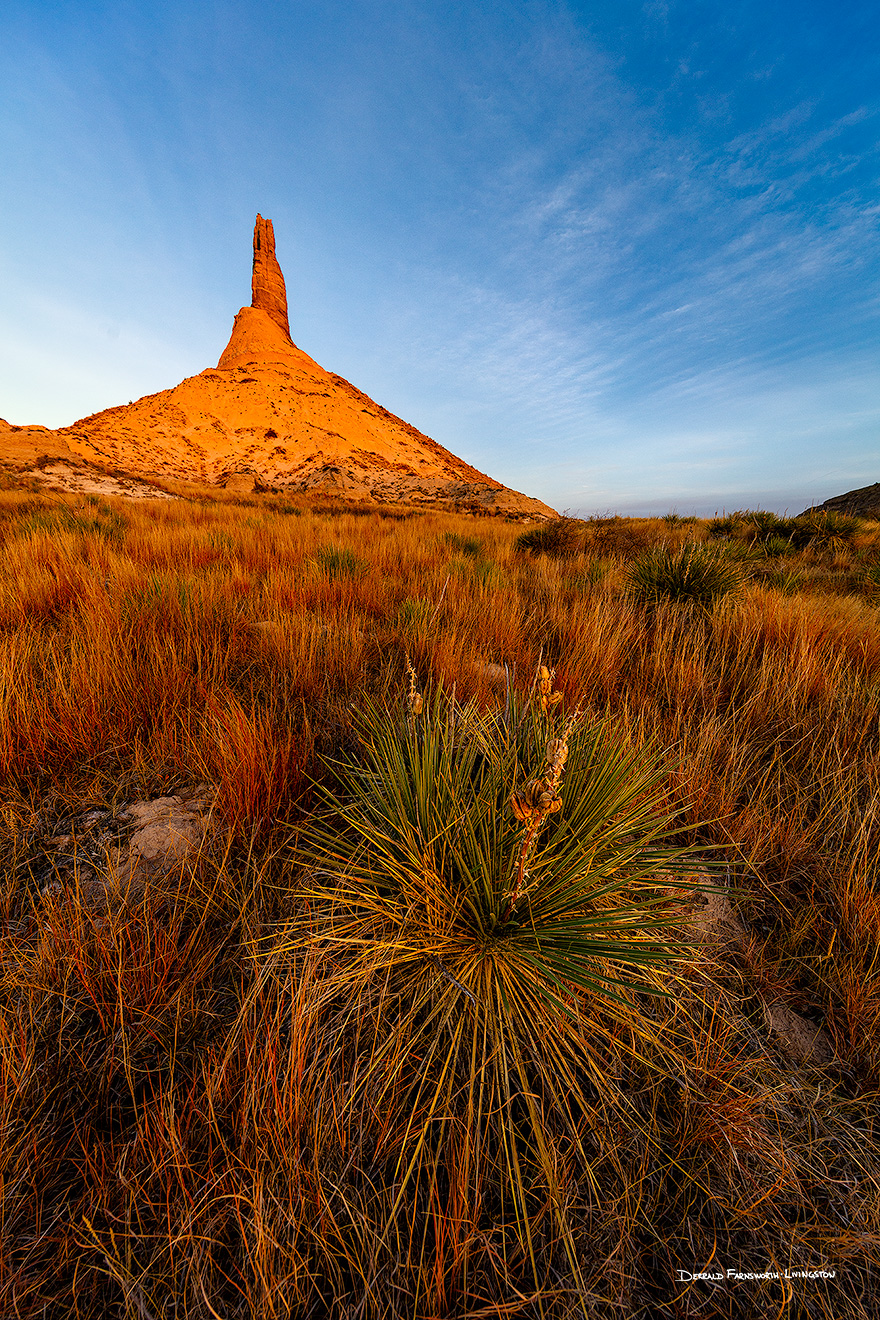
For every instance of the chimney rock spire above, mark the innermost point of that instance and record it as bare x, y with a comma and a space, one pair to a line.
267, 282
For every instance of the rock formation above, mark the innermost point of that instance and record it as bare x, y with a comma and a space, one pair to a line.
267, 282
268, 414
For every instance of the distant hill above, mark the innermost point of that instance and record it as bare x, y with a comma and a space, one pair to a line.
863, 503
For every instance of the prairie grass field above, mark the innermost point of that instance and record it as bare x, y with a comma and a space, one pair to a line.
530, 963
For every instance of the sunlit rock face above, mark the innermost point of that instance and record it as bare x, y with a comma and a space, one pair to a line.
267, 282
269, 415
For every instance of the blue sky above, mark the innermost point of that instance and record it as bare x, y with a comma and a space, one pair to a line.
620, 256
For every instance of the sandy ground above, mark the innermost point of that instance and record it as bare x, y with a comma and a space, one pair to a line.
39, 456
88, 481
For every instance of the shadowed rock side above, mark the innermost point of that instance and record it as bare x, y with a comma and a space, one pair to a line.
268, 413
863, 503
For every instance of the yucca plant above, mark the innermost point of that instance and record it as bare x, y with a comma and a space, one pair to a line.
789, 583
752, 527
775, 545
723, 529
696, 574
872, 576
492, 890
759, 524
825, 529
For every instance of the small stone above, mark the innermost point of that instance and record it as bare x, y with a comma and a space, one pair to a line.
166, 830
716, 921
802, 1041
92, 817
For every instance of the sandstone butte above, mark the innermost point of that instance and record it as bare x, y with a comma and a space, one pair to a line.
268, 416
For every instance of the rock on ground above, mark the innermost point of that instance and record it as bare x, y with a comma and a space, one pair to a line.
119, 852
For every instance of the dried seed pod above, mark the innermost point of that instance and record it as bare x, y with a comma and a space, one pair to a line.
548, 801
536, 798
545, 687
521, 806
536, 788
557, 753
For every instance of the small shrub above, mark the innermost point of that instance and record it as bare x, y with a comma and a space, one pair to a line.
560, 538
16, 481
471, 546
337, 563
618, 537
695, 573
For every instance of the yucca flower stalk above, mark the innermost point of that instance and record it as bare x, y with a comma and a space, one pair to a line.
539, 798
413, 697
474, 953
